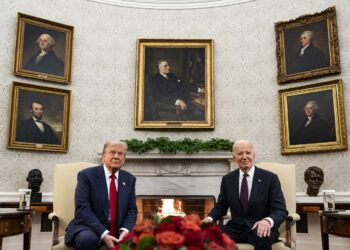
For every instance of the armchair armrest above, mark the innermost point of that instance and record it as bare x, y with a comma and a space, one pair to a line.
290, 221
53, 216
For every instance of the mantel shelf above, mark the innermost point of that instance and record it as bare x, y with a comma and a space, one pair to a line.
165, 156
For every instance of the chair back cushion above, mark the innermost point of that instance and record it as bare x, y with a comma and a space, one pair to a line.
64, 184
286, 175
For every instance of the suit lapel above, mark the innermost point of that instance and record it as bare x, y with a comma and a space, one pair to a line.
101, 179
122, 187
257, 181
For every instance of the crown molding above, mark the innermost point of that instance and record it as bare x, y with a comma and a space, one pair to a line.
171, 4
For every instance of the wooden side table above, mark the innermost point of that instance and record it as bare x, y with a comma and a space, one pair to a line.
334, 223
13, 222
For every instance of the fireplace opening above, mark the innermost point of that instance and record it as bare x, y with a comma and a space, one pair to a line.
164, 205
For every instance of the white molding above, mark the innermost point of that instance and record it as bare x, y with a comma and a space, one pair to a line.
171, 4
301, 197
340, 197
14, 197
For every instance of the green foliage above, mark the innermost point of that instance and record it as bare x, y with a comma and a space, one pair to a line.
187, 145
146, 243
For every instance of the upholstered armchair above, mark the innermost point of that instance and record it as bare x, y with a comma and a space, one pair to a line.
64, 183
287, 177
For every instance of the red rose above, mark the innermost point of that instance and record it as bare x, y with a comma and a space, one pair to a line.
146, 226
169, 226
193, 238
228, 242
194, 218
212, 245
169, 240
213, 233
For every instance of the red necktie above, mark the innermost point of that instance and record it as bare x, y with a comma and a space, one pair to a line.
113, 205
244, 193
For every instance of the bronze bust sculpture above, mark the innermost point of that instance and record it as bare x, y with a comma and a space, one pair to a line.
314, 177
35, 178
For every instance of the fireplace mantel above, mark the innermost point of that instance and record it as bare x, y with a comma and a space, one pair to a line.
179, 164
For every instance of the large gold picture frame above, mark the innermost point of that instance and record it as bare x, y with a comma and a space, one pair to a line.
174, 84
43, 49
307, 46
312, 118
39, 118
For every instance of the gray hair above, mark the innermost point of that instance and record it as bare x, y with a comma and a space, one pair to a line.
313, 103
309, 33
241, 142
49, 39
114, 143
160, 61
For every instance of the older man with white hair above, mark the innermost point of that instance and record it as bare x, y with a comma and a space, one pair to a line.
255, 199
45, 60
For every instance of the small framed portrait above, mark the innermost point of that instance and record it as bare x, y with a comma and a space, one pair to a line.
312, 118
43, 49
174, 84
39, 118
307, 47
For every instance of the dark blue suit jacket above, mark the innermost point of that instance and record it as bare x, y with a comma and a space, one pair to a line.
266, 200
92, 203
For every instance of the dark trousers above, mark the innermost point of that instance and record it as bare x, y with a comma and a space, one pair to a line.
86, 240
246, 235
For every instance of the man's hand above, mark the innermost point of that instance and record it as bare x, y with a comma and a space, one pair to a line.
122, 236
206, 220
109, 241
263, 228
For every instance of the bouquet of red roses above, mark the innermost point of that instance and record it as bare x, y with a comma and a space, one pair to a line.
175, 232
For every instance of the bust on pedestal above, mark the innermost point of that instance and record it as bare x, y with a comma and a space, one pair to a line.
35, 178
313, 177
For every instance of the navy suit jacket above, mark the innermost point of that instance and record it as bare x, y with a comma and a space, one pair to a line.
92, 203
266, 200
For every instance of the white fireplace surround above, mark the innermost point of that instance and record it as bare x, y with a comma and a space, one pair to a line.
180, 174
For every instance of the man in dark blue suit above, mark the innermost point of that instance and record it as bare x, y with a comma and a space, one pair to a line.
257, 221
91, 225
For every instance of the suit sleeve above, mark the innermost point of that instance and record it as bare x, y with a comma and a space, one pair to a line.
278, 211
131, 214
83, 210
220, 208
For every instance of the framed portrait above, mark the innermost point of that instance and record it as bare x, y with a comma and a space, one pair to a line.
174, 84
307, 46
39, 118
43, 49
312, 118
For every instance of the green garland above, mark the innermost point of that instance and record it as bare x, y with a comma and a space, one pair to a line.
187, 145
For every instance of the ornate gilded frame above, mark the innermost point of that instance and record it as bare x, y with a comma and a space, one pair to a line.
56, 104
178, 52
295, 137
29, 28
324, 27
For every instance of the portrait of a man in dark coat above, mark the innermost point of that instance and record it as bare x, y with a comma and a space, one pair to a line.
312, 128
45, 60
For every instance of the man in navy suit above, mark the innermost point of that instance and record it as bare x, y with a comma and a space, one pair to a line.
257, 224
90, 228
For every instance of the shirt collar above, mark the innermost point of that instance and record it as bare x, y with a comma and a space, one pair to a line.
108, 173
250, 172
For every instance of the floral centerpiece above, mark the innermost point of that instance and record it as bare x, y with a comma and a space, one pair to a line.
176, 232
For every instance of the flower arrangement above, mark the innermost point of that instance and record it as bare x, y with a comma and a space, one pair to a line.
176, 232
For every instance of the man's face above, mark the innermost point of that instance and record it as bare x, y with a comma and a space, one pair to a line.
44, 43
309, 109
244, 155
164, 68
315, 180
114, 157
304, 39
37, 110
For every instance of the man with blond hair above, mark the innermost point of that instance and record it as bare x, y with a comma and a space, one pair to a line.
105, 203
255, 199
